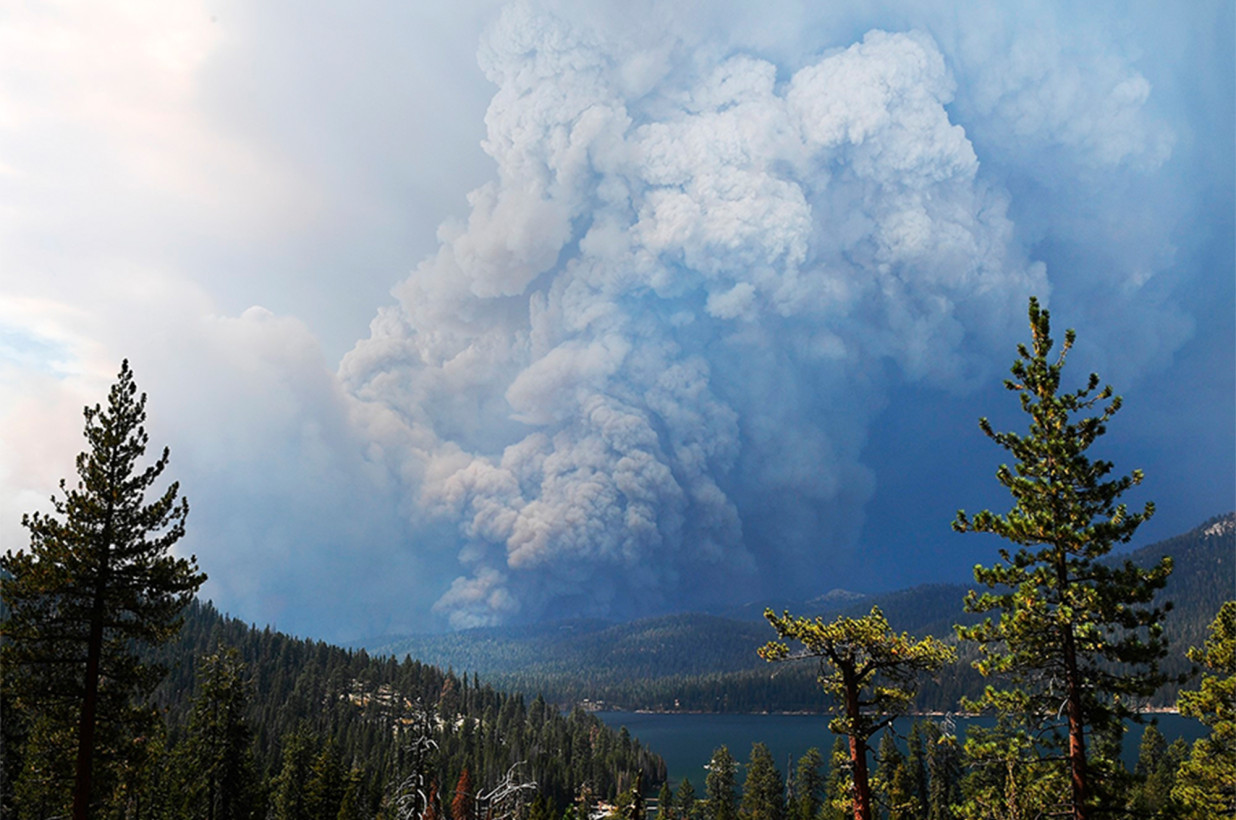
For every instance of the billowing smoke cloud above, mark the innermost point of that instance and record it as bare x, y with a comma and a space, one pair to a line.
639, 376
741, 275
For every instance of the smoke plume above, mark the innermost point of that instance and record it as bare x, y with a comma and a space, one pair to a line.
639, 376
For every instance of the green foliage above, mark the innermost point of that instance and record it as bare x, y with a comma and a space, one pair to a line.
706, 664
216, 757
838, 791
686, 805
894, 784
763, 790
720, 799
1206, 783
665, 803
291, 800
870, 671
916, 766
1072, 628
1156, 774
305, 694
1007, 777
944, 773
808, 786
97, 581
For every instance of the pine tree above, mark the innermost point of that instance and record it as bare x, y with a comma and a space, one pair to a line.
665, 803
1006, 778
685, 800
720, 800
763, 791
1155, 773
871, 672
1206, 783
944, 772
290, 802
97, 580
893, 780
1073, 630
916, 765
350, 808
808, 786
217, 758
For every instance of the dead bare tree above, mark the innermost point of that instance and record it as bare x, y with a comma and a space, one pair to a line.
412, 796
505, 801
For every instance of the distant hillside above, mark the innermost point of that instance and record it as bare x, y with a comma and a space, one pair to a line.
708, 663
687, 644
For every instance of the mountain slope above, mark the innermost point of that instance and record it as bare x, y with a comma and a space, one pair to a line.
708, 662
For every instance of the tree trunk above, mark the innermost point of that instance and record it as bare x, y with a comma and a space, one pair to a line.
90, 701
858, 749
1077, 737
94, 658
1073, 708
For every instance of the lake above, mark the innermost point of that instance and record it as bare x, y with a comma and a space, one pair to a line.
687, 741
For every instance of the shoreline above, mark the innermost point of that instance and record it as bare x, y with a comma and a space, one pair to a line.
1154, 710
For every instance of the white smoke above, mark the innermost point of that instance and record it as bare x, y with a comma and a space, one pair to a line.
640, 376
657, 361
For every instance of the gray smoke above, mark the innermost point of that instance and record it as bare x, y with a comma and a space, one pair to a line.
640, 375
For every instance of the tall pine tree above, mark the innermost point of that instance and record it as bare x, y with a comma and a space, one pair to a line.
1076, 635
97, 580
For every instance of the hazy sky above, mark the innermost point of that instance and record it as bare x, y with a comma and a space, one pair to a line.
470, 313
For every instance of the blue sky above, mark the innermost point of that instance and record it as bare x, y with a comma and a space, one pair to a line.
525, 310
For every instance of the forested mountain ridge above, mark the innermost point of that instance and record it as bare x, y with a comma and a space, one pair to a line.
361, 716
708, 663
690, 643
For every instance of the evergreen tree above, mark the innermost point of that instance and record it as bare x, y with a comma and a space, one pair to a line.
1006, 777
1155, 773
685, 800
720, 800
893, 781
148, 787
665, 803
808, 786
916, 765
1150, 752
217, 759
838, 790
97, 581
290, 799
1072, 630
871, 672
327, 781
351, 808
944, 772
763, 791
1206, 783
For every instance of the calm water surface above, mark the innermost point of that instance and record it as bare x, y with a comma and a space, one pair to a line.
688, 741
